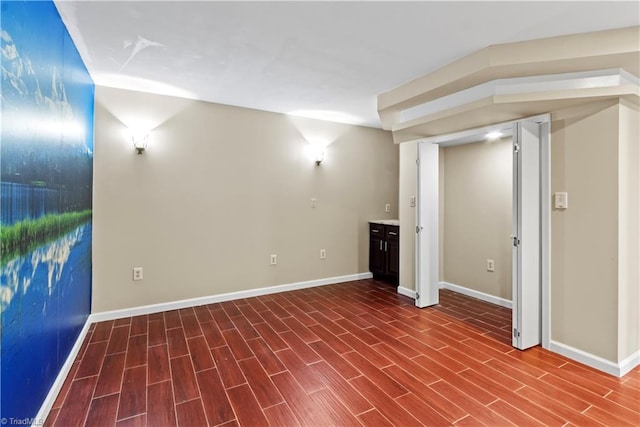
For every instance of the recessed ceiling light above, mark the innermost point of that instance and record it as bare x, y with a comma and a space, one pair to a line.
494, 135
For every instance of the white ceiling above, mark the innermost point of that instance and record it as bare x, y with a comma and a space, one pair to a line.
319, 59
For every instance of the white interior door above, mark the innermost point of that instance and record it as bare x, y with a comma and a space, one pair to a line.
427, 241
526, 234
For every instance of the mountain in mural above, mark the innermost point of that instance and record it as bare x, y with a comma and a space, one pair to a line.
40, 133
46, 160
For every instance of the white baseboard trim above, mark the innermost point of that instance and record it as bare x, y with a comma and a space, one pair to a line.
476, 294
192, 302
46, 406
616, 369
407, 292
629, 363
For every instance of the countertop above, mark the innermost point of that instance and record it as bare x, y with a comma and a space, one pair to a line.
386, 221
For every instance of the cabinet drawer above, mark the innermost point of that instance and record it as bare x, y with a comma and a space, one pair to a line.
376, 230
392, 233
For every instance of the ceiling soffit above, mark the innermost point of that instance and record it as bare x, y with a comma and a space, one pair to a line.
562, 71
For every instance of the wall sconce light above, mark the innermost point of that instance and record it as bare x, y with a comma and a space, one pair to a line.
140, 141
318, 155
317, 151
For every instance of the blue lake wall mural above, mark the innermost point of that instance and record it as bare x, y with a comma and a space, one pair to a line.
46, 172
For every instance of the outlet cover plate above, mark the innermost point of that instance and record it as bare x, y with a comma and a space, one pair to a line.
491, 265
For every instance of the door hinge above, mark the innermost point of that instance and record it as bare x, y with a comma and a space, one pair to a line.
418, 229
516, 148
417, 161
417, 295
516, 333
516, 241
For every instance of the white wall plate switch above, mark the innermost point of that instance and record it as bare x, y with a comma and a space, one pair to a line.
561, 200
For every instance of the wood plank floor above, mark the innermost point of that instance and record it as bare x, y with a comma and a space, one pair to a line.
349, 354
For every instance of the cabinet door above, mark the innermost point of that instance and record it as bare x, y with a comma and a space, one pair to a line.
393, 261
376, 255
392, 255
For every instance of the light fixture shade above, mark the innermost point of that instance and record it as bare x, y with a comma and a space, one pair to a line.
317, 151
140, 141
318, 155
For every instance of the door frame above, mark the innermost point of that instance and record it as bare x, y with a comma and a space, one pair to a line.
427, 241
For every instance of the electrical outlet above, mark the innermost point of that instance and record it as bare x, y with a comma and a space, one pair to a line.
323, 253
138, 273
412, 201
491, 265
274, 259
387, 207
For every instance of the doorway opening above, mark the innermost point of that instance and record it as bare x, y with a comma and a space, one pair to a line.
529, 239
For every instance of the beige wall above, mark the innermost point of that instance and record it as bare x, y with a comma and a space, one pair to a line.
221, 188
629, 232
584, 237
477, 220
408, 188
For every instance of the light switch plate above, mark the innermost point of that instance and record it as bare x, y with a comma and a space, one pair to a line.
412, 201
561, 200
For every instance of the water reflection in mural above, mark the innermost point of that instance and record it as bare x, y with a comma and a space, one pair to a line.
46, 167
48, 261
44, 297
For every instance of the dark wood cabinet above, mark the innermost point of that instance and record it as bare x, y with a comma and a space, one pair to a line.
377, 257
384, 252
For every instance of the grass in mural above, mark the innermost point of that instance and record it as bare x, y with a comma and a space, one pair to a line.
22, 237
